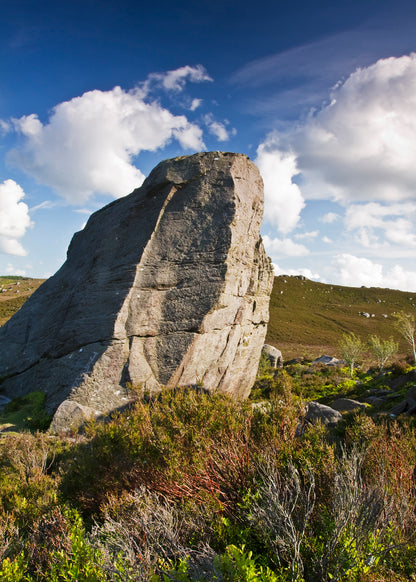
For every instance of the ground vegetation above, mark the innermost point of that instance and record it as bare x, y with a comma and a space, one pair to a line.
191, 486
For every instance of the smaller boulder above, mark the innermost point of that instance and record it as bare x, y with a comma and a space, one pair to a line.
327, 415
376, 401
328, 361
408, 405
274, 355
399, 408
347, 405
71, 416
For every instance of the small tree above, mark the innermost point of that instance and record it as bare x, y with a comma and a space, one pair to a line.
351, 348
405, 325
382, 350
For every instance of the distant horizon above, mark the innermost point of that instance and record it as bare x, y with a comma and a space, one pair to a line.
320, 97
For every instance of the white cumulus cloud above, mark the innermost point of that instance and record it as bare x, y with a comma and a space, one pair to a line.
358, 271
362, 146
392, 223
218, 128
357, 149
283, 247
88, 144
14, 218
283, 200
195, 103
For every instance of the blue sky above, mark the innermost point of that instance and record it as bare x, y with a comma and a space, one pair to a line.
321, 95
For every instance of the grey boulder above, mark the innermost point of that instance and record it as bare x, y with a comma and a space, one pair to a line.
274, 356
347, 405
328, 361
168, 286
320, 412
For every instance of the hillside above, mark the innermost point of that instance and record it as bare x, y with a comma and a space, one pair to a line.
306, 318
13, 293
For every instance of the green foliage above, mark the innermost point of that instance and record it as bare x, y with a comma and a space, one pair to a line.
165, 444
382, 350
351, 349
59, 550
191, 486
406, 326
234, 565
240, 565
27, 412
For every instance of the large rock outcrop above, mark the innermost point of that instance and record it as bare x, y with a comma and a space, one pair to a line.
167, 286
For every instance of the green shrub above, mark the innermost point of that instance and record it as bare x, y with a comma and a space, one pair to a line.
182, 445
27, 412
193, 486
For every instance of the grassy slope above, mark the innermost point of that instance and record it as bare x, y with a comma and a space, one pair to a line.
16, 291
306, 318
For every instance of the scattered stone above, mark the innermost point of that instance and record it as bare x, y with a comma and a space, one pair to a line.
328, 361
294, 361
375, 401
320, 412
392, 396
408, 404
399, 408
347, 405
168, 286
71, 415
378, 392
274, 355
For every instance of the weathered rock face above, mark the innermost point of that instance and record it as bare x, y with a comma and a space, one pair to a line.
167, 286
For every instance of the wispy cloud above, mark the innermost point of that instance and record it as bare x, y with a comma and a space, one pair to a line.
218, 128
45, 205
298, 79
330, 217
307, 235
176, 79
